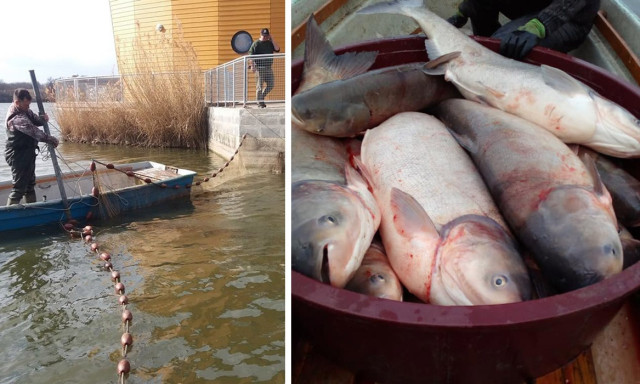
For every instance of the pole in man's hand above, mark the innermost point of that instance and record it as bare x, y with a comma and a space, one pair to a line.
52, 151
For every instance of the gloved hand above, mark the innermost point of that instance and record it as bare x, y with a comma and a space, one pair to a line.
458, 20
520, 42
53, 141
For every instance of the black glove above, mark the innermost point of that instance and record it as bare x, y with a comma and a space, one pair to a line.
458, 20
518, 44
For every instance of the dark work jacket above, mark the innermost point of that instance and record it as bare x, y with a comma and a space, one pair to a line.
18, 141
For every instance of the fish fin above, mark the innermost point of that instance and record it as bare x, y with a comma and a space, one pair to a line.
561, 81
442, 59
465, 141
590, 164
355, 171
318, 53
392, 7
410, 217
435, 67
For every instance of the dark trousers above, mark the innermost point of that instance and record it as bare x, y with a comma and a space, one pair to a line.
263, 75
23, 173
484, 22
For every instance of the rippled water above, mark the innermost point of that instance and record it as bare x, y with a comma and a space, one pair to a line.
205, 279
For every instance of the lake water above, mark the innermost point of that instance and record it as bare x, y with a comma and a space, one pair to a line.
205, 279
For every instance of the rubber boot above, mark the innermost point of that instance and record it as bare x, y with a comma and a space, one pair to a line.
11, 201
30, 197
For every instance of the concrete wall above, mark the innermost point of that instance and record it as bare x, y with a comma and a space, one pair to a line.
264, 147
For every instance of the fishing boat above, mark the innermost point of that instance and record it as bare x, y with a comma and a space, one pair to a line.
105, 192
590, 335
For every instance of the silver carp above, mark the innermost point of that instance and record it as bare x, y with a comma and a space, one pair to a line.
442, 232
333, 214
555, 204
344, 108
375, 277
544, 95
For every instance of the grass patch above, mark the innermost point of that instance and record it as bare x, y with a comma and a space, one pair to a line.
157, 102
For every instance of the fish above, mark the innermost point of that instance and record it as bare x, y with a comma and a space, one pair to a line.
544, 95
334, 216
375, 277
322, 65
624, 190
555, 204
444, 236
344, 108
630, 247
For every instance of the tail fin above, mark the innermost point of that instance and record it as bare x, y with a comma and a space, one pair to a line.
393, 7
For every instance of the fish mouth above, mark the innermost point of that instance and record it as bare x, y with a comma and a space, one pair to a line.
325, 274
295, 118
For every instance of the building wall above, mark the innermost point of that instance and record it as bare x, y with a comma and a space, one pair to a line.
208, 25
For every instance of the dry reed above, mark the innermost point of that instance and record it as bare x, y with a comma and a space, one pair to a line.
158, 101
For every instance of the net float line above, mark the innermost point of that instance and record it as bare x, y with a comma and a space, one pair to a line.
219, 171
126, 340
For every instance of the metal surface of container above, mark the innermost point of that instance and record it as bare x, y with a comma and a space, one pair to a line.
405, 342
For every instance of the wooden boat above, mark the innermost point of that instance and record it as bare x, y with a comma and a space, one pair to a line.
123, 188
376, 340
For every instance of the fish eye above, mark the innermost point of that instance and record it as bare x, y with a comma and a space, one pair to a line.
376, 277
328, 219
499, 281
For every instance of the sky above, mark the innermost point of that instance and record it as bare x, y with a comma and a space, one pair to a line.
56, 38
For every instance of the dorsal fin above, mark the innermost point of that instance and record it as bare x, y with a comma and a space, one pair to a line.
318, 53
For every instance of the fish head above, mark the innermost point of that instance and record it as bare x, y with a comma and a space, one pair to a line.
574, 238
331, 229
619, 128
479, 264
328, 114
375, 277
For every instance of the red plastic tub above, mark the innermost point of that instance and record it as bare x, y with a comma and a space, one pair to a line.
394, 342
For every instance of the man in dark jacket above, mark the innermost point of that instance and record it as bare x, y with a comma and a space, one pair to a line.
23, 136
262, 67
561, 25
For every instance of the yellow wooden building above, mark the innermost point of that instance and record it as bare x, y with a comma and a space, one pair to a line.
208, 25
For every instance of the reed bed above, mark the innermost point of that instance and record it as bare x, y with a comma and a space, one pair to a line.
157, 102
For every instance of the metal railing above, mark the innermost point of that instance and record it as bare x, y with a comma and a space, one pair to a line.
229, 84
233, 83
90, 89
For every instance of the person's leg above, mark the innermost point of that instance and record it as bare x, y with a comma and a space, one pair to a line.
483, 15
268, 79
30, 195
258, 86
22, 163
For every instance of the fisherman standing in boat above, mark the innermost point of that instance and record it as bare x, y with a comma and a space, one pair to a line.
561, 25
23, 136
263, 46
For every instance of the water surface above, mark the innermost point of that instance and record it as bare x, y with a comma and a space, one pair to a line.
205, 278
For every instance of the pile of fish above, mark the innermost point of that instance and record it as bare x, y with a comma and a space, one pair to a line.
481, 201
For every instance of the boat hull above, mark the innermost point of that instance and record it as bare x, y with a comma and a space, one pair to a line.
124, 194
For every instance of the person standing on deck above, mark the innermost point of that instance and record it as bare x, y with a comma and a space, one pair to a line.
262, 67
23, 136
561, 25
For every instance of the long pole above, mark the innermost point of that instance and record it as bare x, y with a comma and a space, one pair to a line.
52, 151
